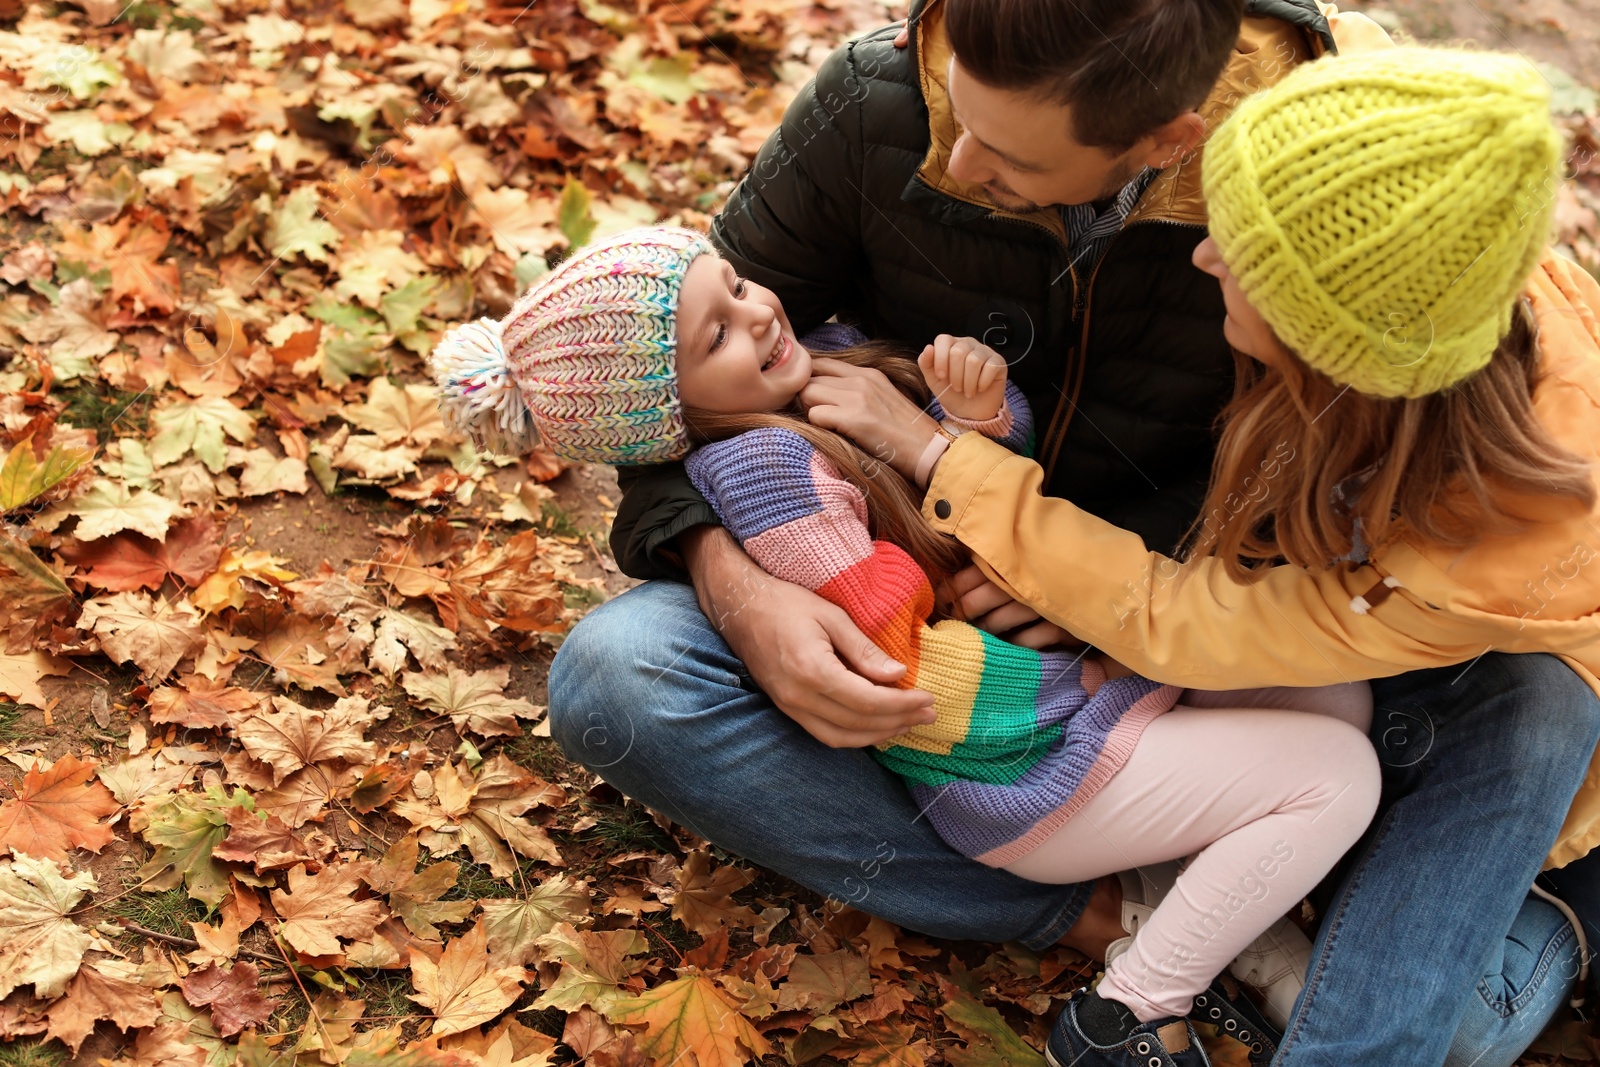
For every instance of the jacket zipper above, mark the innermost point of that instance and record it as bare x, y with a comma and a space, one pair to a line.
1072, 382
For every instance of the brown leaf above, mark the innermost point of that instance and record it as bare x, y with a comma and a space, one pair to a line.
199, 702
269, 844
295, 736
93, 996
56, 810
35, 596
704, 896
475, 701
822, 983
413, 896
466, 987
508, 587
509, 1044
234, 997
154, 635
128, 560
318, 910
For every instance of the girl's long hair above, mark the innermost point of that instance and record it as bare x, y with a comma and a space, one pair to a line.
894, 510
1446, 467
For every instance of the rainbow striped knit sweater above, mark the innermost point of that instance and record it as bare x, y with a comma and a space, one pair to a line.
1022, 738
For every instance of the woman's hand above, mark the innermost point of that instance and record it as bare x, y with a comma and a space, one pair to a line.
971, 596
862, 404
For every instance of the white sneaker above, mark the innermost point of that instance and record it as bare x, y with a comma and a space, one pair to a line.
1274, 964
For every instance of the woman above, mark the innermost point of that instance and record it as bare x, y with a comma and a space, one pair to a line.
1406, 477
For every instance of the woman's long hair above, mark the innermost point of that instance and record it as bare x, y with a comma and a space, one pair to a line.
894, 510
1444, 467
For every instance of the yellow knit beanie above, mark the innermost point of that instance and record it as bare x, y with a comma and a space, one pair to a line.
1382, 211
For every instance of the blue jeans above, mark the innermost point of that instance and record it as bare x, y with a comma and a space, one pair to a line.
1477, 780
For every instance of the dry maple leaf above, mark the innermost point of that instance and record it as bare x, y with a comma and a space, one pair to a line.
467, 986
595, 964
20, 674
508, 586
93, 996
318, 910
36, 595
234, 996
154, 635
690, 1015
128, 561
267, 843
704, 902
508, 1044
515, 926
56, 810
38, 943
486, 812
475, 701
295, 736
199, 702
413, 896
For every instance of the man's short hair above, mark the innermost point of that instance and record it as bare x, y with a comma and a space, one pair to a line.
1125, 67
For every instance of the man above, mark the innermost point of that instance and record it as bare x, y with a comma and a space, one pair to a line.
1027, 172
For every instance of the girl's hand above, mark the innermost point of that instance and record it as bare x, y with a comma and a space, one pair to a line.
967, 376
862, 404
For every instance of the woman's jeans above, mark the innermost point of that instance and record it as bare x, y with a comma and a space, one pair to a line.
1429, 949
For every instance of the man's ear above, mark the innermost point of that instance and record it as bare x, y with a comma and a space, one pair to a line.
1175, 140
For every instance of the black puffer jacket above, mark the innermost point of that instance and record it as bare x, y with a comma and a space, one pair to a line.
848, 209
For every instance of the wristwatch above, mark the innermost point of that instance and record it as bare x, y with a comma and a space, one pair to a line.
942, 439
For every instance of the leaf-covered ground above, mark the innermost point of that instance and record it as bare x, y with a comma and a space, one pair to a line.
273, 782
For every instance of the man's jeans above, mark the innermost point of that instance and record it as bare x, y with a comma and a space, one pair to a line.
1424, 940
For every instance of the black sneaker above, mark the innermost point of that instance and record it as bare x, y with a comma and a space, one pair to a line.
1226, 1007
1162, 1043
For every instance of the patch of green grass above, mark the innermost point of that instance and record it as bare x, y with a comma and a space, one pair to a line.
550, 1021
556, 521
581, 596
623, 828
541, 755
169, 912
386, 998
98, 407
474, 881
32, 1054
12, 728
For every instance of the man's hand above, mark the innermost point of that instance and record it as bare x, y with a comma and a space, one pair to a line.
864, 405
970, 595
967, 377
804, 653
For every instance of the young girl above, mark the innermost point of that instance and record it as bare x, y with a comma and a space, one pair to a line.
648, 347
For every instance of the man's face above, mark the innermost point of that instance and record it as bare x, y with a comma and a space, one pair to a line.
1021, 149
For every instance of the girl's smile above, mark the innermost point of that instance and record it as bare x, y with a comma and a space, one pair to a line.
737, 352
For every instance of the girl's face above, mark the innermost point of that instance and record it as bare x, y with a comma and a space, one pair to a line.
1244, 327
737, 352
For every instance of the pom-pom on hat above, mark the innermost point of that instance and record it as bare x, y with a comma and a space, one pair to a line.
585, 359
1382, 210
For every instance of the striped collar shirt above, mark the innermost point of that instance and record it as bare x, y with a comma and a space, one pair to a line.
1090, 231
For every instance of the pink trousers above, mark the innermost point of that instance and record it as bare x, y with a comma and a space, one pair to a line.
1264, 797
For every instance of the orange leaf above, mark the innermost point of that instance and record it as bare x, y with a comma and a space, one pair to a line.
691, 1015
56, 810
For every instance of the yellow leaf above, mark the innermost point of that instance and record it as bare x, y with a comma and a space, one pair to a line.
467, 986
24, 478
691, 1015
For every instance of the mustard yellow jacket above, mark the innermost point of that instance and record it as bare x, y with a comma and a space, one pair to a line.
1413, 605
